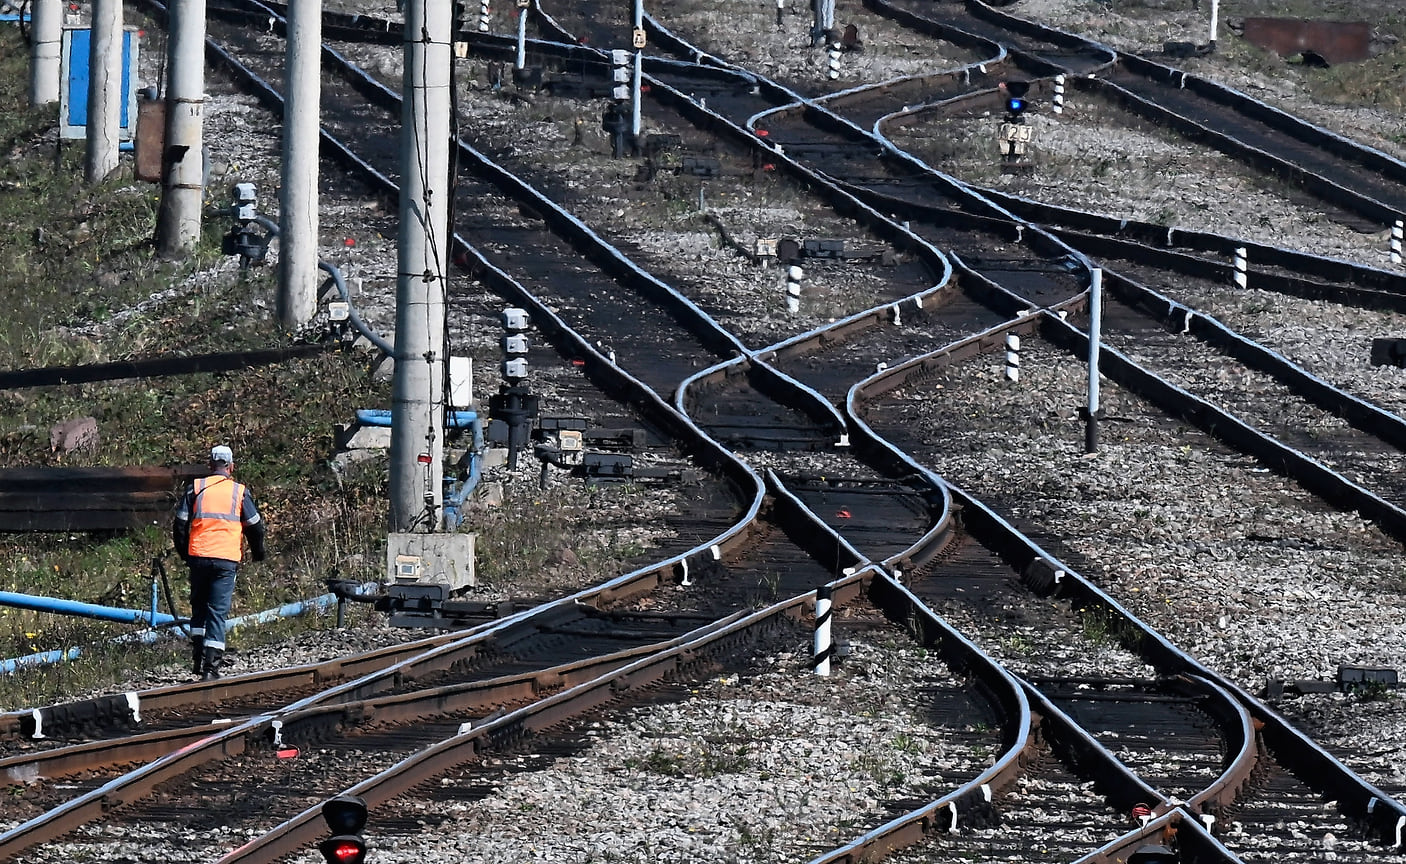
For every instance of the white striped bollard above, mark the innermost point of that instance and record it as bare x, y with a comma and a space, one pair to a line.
1059, 94
1397, 230
483, 16
823, 649
1012, 358
794, 274
1241, 265
834, 60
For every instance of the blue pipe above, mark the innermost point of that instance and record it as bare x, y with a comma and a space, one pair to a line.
381, 417
146, 637
454, 501
87, 610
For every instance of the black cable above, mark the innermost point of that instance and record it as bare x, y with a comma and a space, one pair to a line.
159, 566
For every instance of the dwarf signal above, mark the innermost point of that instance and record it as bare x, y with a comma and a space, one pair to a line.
346, 817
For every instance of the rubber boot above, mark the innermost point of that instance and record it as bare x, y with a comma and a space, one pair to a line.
213, 658
197, 656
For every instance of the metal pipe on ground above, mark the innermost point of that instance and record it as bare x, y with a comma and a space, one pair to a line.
147, 637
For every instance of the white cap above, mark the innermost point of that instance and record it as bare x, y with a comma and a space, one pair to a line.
223, 454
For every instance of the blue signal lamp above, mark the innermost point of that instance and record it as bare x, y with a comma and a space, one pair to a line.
1014, 105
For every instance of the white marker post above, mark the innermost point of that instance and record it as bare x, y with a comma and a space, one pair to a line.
1095, 324
1397, 230
1012, 358
1241, 266
1059, 94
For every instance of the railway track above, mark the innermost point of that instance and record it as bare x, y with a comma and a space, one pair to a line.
728, 398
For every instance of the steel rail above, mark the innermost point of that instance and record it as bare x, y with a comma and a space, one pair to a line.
1043, 573
126, 709
304, 828
395, 708
618, 381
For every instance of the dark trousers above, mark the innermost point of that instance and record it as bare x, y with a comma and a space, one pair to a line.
211, 593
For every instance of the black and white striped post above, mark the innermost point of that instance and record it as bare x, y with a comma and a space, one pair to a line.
483, 16
823, 650
1059, 94
834, 60
1397, 230
1241, 266
1012, 358
794, 274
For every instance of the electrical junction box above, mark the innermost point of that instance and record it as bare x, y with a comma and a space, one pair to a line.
571, 446
461, 382
74, 74
431, 559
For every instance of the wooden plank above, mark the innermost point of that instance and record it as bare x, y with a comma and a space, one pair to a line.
40, 478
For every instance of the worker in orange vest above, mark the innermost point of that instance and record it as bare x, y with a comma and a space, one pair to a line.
213, 517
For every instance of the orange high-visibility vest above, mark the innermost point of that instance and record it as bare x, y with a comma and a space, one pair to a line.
215, 526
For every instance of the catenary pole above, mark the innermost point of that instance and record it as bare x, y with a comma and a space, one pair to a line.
638, 76
297, 214
105, 94
417, 391
183, 159
46, 28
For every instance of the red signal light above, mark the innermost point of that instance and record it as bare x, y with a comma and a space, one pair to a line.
346, 849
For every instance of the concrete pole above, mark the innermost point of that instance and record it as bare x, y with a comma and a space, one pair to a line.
105, 93
183, 160
46, 28
298, 276
417, 392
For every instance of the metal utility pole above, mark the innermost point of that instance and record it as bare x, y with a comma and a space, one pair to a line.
520, 60
1091, 411
105, 93
183, 159
637, 39
417, 392
46, 28
297, 215
824, 20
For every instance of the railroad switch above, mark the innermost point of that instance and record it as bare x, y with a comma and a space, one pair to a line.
1350, 679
